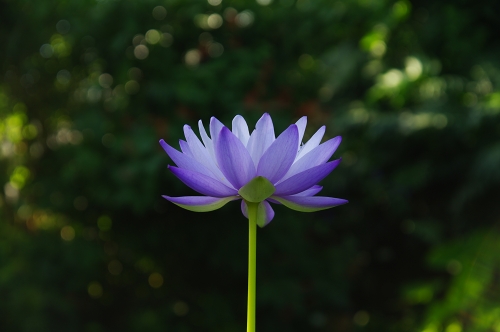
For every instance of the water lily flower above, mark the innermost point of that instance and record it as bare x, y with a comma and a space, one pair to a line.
256, 168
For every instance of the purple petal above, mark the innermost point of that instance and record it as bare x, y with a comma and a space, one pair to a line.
240, 129
244, 208
306, 179
278, 158
310, 204
312, 143
310, 192
198, 150
301, 125
185, 148
185, 161
268, 211
201, 153
317, 156
233, 159
206, 140
203, 184
215, 128
200, 203
262, 137
264, 209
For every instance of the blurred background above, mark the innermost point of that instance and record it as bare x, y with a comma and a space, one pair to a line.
89, 87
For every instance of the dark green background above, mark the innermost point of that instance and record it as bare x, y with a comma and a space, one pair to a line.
88, 244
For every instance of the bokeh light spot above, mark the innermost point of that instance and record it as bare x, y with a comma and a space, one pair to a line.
29, 131
141, 52
205, 38
46, 51
81, 203
36, 150
135, 73
41, 220
11, 193
105, 80
413, 68
138, 39
326, 92
132, 87
63, 77
306, 61
400, 9
19, 177
181, 308
94, 94
95, 290
230, 14
115, 267
104, 223
361, 318
63, 27
392, 78
192, 57
439, 121
60, 45
454, 327
67, 233
201, 20
264, 2
155, 280
214, 2
378, 48
108, 140
244, 19
153, 36
25, 212
215, 50
430, 328
159, 13
166, 39
214, 21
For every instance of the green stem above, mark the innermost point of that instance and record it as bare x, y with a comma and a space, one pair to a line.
252, 260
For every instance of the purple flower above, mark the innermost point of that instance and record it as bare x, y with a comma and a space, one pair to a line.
257, 168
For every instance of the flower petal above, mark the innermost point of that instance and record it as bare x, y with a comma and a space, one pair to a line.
278, 158
301, 125
206, 140
201, 153
317, 156
306, 179
215, 128
185, 161
201, 183
262, 137
312, 143
265, 212
311, 191
244, 208
233, 159
200, 203
185, 148
309, 204
240, 129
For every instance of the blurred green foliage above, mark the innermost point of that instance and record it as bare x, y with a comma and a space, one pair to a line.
88, 88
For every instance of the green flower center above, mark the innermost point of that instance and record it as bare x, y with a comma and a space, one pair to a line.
257, 190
